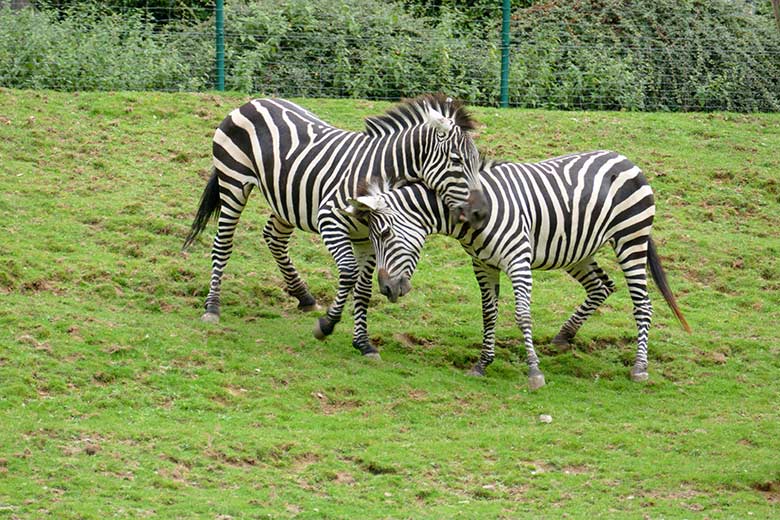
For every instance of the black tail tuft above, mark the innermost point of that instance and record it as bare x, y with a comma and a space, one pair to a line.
660, 280
209, 207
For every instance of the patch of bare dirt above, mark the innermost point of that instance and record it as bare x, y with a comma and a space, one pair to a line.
304, 460
417, 395
39, 286
770, 490
575, 469
344, 478
28, 339
410, 340
86, 444
236, 461
331, 405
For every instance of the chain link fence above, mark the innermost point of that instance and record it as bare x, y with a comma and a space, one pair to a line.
605, 54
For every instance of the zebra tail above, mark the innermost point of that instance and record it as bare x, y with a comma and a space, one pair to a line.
654, 262
209, 207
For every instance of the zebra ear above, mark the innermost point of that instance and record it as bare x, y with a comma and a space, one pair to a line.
362, 206
439, 122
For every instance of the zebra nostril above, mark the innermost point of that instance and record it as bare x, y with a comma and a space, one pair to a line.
478, 210
478, 216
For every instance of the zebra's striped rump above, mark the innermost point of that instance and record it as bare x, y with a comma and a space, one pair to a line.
554, 214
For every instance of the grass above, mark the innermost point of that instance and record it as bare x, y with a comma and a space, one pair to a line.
117, 402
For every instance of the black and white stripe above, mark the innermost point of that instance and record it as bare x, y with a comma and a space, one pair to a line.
554, 214
308, 169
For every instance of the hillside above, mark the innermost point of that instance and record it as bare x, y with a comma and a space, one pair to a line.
116, 401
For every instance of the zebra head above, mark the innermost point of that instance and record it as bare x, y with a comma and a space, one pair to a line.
438, 151
397, 235
452, 166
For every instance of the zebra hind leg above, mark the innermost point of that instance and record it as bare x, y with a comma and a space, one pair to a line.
277, 236
233, 199
598, 287
633, 261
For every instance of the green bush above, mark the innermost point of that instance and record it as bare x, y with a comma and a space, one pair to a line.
645, 55
355, 48
88, 48
589, 54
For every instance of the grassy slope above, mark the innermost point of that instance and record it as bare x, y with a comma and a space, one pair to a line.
116, 401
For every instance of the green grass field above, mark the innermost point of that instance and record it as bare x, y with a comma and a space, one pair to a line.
117, 402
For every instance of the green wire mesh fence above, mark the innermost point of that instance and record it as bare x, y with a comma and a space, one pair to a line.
606, 54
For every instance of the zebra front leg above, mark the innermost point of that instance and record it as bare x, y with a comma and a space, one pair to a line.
488, 279
598, 287
232, 202
347, 279
277, 235
339, 245
521, 284
364, 253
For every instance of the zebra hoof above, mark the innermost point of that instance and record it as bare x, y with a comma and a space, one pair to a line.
307, 303
323, 328
476, 371
562, 342
210, 317
367, 349
535, 379
639, 375
309, 308
318, 332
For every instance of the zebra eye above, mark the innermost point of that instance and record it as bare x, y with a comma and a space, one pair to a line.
385, 233
456, 160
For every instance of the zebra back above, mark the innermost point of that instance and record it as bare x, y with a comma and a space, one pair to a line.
300, 162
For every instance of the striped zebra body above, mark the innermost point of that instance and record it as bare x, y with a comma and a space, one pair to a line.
554, 214
307, 169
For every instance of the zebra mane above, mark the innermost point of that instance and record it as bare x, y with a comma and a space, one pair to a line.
413, 112
486, 163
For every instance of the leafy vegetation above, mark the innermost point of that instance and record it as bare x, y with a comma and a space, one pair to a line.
117, 402
89, 47
648, 55
354, 48
161, 11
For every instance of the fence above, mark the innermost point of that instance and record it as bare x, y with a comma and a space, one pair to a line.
657, 55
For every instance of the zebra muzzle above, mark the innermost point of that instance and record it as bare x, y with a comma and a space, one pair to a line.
474, 211
393, 287
476, 208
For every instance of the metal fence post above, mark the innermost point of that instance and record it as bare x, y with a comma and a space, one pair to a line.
220, 30
505, 54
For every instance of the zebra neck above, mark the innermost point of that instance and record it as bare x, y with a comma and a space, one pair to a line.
434, 216
390, 160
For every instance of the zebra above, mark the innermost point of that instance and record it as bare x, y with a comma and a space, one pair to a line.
553, 214
307, 168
